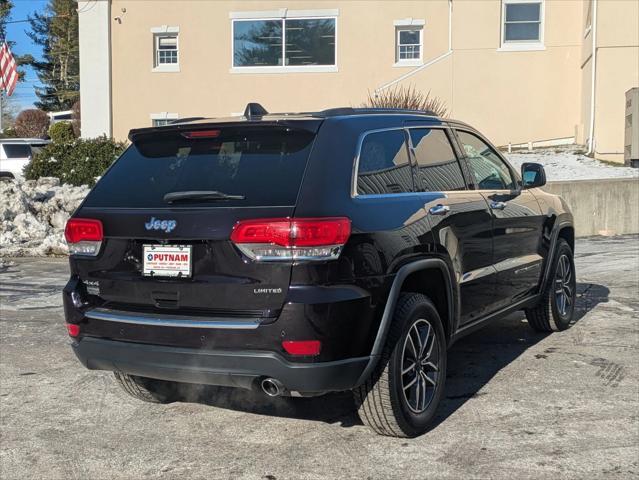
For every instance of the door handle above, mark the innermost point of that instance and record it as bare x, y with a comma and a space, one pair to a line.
498, 205
439, 210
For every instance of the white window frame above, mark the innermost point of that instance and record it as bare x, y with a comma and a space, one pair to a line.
162, 116
158, 32
284, 14
523, 45
413, 25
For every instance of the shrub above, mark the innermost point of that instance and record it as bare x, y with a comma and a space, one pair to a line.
76, 163
47, 162
32, 123
9, 132
76, 120
407, 97
61, 132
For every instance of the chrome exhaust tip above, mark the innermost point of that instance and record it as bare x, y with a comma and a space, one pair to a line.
272, 387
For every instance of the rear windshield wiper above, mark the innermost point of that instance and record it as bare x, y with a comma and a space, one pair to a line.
200, 195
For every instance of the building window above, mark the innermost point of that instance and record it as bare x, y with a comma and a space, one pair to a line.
166, 56
160, 122
284, 44
162, 118
409, 44
166, 49
522, 23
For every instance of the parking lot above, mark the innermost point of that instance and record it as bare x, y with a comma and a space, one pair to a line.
518, 404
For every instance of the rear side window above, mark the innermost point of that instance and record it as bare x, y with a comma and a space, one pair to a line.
17, 151
439, 170
383, 164
263, 165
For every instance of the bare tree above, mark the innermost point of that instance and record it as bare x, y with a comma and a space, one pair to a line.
32, 123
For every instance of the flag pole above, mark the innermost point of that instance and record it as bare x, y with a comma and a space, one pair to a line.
1, 95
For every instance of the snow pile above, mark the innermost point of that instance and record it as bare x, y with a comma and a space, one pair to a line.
571, 166
4, 263
33, 214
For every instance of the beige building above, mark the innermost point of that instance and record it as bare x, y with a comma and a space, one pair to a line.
519, 70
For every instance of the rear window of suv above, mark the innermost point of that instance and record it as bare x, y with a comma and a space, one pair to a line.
263, 165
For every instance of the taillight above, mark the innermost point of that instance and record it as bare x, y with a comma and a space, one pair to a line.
84, 236
292, 239
302, 347
73, 330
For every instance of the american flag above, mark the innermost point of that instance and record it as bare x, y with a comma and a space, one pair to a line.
8, 70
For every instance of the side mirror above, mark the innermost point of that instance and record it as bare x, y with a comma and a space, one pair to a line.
533, 175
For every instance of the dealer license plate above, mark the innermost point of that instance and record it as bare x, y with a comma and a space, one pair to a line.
167, 260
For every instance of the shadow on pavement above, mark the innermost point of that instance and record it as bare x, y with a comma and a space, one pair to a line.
589, 295
336, 407
472, 362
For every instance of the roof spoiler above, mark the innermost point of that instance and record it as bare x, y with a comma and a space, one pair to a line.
254, 110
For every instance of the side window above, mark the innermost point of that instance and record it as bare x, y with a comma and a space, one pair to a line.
383, 164
490, 171
439, 170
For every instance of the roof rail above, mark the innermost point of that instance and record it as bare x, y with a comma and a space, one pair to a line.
334, 112
254, 110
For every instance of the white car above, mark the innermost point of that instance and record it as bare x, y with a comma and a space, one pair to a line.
16, 153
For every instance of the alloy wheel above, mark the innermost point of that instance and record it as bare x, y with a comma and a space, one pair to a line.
420, 365
564, 289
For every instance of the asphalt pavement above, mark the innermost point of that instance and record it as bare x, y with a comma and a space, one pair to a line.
518, 404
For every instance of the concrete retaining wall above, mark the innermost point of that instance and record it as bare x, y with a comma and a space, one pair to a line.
601, 207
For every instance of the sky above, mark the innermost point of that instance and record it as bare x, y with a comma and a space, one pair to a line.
24, 94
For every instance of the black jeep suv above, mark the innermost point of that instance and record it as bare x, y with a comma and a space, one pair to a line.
300, 254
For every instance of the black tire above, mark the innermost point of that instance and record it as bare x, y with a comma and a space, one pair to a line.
549, 315
381, 402
147, 389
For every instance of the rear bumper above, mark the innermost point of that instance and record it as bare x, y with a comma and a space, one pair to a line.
242, 369
343, 318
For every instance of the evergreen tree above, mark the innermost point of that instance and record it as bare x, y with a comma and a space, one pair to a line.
56, 31
5, 11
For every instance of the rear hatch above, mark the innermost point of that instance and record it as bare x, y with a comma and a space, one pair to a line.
173, 199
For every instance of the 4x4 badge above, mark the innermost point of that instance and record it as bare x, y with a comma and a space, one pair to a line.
155, 224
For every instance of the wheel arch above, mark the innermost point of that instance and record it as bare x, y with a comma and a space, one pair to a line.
564, 230
432, 282
408, 278
567, 232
